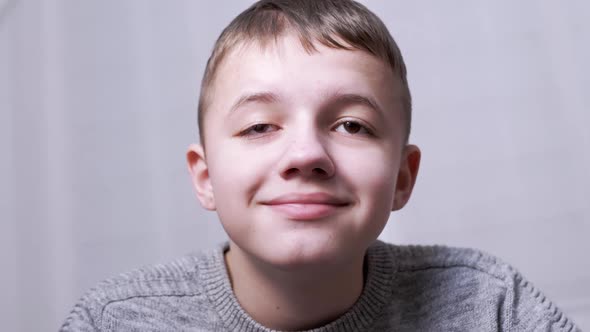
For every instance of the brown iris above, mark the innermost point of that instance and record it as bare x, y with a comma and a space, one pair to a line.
352, 127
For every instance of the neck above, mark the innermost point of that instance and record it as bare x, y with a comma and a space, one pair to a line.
293, 300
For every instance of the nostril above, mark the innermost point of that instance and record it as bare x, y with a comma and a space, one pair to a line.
315, 171
320, 171
291, 171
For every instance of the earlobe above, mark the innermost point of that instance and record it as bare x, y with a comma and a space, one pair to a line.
199, 172
406, 177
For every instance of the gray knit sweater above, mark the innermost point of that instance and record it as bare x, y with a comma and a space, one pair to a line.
407, 288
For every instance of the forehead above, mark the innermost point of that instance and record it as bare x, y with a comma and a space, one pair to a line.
284, 67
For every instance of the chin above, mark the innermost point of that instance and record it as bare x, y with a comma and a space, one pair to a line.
300, 255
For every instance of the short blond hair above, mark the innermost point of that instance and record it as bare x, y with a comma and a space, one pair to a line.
340, 24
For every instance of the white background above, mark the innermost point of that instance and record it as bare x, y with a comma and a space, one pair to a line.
98, 105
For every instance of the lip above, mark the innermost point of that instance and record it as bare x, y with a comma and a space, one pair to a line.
307, 206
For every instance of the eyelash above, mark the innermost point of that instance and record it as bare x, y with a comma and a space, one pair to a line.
366, 128
249, 132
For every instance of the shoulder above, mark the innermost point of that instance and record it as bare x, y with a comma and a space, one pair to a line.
417, 257
142, 288
480, 282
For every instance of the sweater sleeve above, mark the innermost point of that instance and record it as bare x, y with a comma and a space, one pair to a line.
80, 319
530, 310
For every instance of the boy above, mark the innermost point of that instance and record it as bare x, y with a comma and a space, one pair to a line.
304, 120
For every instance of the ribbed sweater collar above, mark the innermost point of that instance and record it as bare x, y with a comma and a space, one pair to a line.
376, 292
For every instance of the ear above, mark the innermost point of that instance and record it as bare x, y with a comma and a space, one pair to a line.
406, 177
199, 171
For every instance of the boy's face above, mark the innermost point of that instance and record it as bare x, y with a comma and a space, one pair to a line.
305, 156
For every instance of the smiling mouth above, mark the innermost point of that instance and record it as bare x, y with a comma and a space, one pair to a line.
307, 207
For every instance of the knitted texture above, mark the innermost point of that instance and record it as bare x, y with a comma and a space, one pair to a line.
407, 288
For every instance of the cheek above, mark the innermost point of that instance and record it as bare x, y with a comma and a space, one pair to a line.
373, 174
236, 173
230, 185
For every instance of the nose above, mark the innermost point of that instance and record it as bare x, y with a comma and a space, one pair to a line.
307, 156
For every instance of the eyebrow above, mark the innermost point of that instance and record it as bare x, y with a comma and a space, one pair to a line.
258, 97
346, 99
332, 99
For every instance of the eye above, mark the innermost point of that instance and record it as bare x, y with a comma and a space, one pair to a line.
353, 128
258, 129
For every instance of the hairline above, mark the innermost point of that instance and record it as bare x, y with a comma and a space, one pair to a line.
207, 94
232, 42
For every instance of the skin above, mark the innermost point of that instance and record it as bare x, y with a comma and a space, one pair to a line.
286, 122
